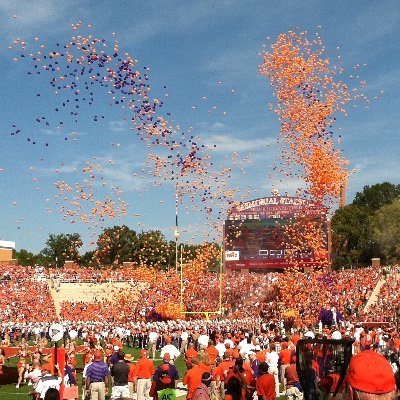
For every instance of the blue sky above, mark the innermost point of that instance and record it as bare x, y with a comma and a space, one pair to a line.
206, 54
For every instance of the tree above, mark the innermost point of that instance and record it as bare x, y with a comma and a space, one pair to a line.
60, 248
385, 225
86, 259
351, 237
154, 250
353, 240
375, 196
24, 257
115, 246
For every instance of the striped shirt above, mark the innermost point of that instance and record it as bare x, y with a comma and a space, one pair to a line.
97, 371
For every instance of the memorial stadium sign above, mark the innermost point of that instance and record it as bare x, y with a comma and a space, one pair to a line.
253, 232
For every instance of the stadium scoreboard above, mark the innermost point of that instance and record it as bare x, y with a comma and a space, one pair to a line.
254, 234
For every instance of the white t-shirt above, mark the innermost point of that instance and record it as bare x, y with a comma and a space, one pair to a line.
184, 335
171, 350
203, 340
46, 382
272, 359
34, 376
153, 336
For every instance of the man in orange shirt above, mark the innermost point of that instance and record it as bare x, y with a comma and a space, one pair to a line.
212, 352
190, 354
284, 357
143, 374
220, 373
265, 384
192, 379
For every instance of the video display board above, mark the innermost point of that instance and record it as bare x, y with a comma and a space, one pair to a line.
254, 232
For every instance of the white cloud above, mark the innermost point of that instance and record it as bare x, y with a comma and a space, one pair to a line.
118, 126
230, 144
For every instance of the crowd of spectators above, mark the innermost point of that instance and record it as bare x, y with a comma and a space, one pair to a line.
293, 297
24, 296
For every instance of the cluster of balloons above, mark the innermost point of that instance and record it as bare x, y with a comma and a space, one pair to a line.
78, 73
308, 97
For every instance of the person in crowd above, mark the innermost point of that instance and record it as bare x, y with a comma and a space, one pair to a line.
203, 390
172, 370
97, 378
48, 381
120, 372
143, 375
265, 385
294, 391
369, 377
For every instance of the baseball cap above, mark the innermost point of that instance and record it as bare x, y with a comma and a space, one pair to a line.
116, 348
143, 353
164, 367
97, 354
370, 372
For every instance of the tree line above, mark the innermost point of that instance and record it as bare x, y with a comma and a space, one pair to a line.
368, 228
115, 246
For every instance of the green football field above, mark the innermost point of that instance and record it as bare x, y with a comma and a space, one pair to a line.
10, 391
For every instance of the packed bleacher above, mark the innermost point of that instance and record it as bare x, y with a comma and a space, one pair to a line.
25, 295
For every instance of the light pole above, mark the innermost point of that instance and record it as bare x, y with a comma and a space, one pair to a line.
176, 233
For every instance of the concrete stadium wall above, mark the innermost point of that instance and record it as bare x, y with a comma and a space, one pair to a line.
5, 254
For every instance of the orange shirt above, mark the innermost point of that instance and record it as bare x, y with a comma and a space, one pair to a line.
285, 356
212, 353
131, 375
205, 367
222, 370
144, 368
192, 379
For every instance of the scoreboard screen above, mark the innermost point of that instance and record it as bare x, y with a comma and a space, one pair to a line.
254, 233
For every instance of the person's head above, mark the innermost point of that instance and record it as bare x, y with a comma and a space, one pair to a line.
120, 355
370, 377
52, 394
143, 353
97, 355
206, 378
272, 347
239, 365
234, 388
263, 368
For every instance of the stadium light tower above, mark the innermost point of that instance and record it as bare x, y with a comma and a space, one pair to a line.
176, 233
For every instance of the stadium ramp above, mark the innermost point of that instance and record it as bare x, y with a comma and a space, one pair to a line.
375, 294
89, 292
